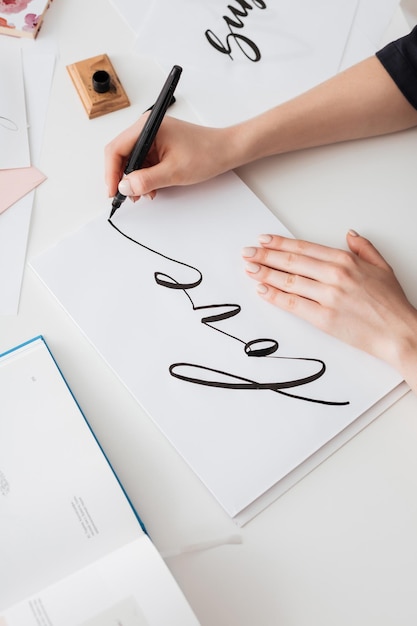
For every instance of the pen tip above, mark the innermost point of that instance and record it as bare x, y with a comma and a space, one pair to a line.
115, 205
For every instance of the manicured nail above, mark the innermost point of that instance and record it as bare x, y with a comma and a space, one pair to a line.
262, 289
125, 188
353, 233
249, 251
253, 268
265, 238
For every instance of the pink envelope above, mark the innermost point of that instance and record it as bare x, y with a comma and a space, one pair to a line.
16, 183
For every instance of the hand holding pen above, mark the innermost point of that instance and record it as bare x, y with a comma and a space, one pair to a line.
147, 136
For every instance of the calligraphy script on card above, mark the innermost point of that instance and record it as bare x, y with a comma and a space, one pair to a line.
255, 348
237, 20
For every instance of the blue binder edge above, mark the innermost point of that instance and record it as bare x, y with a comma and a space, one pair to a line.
42, 338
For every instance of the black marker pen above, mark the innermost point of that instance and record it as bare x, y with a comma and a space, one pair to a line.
149, 131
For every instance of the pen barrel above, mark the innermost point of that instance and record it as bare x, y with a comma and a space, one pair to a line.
154, 121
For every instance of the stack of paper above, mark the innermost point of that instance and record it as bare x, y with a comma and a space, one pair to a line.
25, 79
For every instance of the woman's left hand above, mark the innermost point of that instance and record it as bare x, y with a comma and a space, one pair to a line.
352, 295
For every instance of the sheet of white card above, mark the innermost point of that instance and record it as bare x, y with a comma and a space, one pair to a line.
132, 11
277, 50
240, 442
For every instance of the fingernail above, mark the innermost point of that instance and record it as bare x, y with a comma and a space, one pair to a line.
125, 188
265, 238
262, 289
249, 251
353, 233
253, 268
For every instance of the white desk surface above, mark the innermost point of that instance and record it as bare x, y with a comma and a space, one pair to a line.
340, 548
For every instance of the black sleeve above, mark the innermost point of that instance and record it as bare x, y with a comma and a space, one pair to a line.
400, 60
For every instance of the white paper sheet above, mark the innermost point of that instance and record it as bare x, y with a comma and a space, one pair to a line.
277, 50
370, 23
38, 70
130, 587
38, 67
240, 442
14, 233
132, 11
14, 141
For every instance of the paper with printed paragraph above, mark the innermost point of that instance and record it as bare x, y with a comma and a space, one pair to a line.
68, 509
131, 586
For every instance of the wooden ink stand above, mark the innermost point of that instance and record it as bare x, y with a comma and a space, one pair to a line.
97, 97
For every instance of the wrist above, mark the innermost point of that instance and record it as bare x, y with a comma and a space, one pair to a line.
274, 131
236, 149
405, 350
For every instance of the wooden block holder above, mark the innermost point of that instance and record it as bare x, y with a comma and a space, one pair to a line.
98, 103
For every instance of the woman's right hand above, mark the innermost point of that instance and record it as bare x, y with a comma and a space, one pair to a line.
181, 154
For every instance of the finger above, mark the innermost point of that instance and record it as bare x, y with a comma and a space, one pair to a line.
125, 188
114, 165
305, 309
289, 283
298, 246
117, 152
365, 250
292, 263
147, 180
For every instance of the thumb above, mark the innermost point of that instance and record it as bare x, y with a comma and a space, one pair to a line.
144, 182
365, 250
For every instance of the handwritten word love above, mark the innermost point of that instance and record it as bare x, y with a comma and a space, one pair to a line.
255, 348
237, 39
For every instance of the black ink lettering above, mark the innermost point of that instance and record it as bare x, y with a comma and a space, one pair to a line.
255, 348
252, 47
265, 351
237, 23
247, 384
253, 53
217, 44
248, 47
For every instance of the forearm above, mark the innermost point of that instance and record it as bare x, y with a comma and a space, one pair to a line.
363, 101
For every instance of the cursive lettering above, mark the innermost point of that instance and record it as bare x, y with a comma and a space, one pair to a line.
254, 348
233, 39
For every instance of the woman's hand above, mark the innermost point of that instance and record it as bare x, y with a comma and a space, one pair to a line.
182, 154
352, 295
